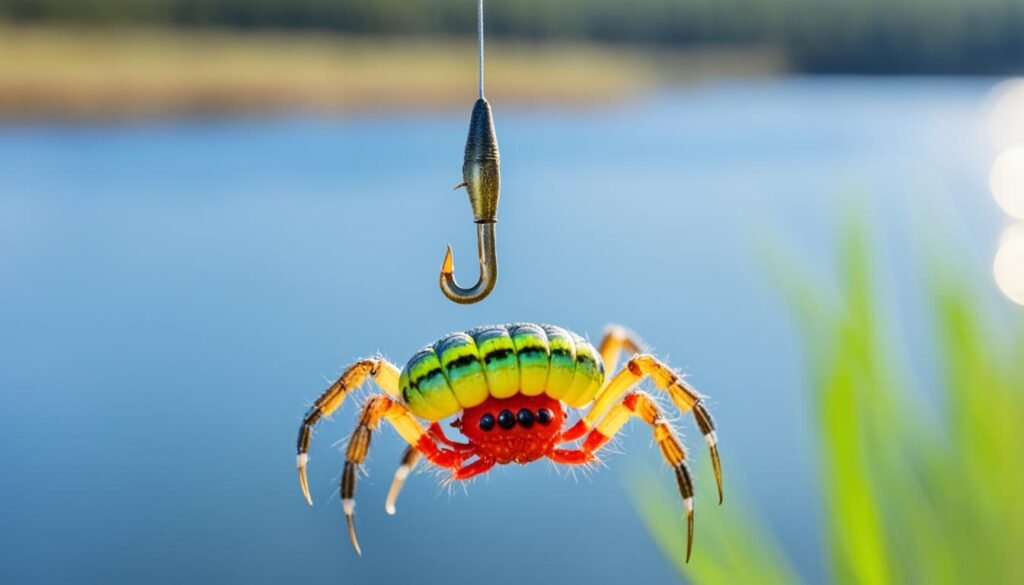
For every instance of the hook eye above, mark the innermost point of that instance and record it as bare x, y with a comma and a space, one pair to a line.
487, 248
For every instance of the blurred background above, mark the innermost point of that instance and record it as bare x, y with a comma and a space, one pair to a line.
209, 208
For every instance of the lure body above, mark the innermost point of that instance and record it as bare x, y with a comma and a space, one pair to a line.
463, 369
510, 390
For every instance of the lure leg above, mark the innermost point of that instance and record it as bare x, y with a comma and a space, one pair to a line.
383, 372
640, 405
437, 433
616, 340
409, 461
684, 396
473, 469
571, 456
412, 457
378, 408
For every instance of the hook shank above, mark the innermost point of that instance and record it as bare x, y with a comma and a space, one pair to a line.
486, 245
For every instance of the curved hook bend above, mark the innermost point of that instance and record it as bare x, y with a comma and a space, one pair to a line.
487, 247
482, 180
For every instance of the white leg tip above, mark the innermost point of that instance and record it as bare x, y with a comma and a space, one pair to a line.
390, 509
711, 438
688, 502
349, 506
301, 460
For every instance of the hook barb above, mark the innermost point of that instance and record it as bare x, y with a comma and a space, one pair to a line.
487, 248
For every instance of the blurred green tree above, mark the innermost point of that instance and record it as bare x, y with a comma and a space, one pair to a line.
853, 36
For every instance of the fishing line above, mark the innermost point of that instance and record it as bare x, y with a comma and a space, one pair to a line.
480, 37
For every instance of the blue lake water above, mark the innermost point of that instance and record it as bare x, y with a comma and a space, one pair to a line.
174, 294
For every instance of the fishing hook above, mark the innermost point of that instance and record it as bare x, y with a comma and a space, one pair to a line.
482, 180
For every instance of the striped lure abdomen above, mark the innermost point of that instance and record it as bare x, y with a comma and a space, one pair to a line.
461, 370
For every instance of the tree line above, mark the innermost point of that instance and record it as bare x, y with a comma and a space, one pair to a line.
831, 36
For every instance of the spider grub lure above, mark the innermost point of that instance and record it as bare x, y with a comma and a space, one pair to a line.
481, 176
509, 388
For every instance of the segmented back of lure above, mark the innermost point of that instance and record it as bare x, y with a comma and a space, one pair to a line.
462, 370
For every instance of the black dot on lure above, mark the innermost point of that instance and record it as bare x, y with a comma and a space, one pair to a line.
525, 418
506, 419
545, 416
487, 422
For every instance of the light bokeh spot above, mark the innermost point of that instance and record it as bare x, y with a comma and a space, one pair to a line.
1007, 181
1009, 264
1006, 113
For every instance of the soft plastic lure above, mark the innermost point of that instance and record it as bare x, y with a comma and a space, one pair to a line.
511, 388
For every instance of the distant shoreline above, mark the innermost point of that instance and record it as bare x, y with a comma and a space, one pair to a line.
125, 73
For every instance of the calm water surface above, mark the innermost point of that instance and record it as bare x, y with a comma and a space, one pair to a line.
173, 295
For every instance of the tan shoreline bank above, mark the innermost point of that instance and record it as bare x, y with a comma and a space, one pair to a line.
126, 73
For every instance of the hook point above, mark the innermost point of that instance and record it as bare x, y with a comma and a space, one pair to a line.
448, 266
